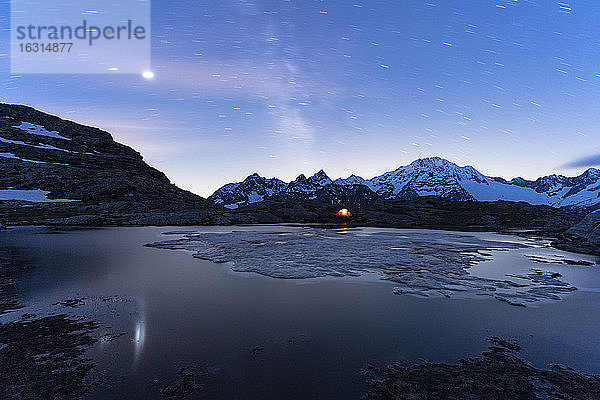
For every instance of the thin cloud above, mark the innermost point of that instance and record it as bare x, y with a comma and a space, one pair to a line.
591, 161
294, 124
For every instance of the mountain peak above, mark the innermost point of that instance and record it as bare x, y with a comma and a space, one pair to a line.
300, 178
592, 172
433, 162
253, 189
320, 178
351, 180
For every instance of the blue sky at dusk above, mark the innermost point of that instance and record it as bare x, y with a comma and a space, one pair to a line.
289, 87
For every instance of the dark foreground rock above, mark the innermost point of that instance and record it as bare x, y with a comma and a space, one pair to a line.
45, 358
40, 357
583, 237
424, 212
107, 213
498, 374
185, 384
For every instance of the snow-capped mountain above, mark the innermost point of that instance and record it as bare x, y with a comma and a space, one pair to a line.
253, 189
351, 180
304, 186
582, 191
436, 176
424, 177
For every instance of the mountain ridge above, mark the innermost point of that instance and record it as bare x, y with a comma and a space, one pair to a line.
438, 177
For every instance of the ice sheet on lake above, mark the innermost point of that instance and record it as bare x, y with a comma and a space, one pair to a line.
422, 263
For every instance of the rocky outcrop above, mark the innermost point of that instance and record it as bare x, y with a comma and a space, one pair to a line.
498, 373
583, 237
353, 196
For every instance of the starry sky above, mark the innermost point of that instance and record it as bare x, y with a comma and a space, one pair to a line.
283, 87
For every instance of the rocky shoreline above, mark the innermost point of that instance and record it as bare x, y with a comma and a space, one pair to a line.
497, 374
568, 230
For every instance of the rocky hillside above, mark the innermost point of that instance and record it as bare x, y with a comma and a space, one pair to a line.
49, 160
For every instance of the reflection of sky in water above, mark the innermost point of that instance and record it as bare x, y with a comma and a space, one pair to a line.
164, 310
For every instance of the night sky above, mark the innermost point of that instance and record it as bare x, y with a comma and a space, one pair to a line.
289, 87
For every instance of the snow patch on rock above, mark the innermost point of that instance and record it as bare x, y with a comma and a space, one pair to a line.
36, 196
40, 130
14, 156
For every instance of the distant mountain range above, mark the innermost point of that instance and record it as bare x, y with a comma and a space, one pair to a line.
424, 177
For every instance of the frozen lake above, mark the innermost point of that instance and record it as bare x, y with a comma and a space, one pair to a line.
350, 298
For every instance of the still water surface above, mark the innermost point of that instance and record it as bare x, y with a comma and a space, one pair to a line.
249, 336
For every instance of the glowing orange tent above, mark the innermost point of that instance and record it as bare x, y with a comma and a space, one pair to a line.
344, 213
